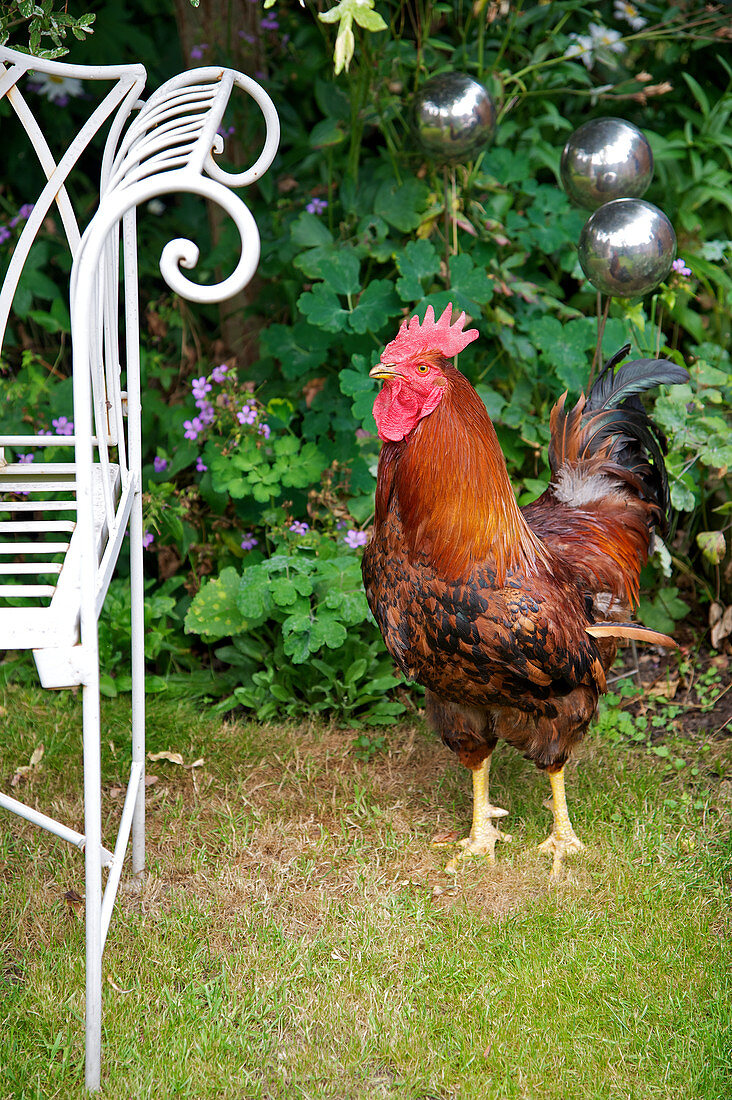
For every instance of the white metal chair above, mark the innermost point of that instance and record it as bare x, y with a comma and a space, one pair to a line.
62, 524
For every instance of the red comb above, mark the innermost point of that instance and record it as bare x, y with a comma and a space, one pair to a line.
429, 335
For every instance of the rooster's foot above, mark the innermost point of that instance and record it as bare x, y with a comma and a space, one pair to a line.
558, 845
481, 842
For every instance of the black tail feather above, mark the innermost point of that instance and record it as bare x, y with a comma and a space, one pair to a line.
614, 417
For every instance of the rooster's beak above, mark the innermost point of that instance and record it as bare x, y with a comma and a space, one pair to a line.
383, 370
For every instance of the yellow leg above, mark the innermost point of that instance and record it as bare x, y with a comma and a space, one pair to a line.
483, 833
562, 840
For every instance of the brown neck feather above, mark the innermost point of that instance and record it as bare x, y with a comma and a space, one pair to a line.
455, 498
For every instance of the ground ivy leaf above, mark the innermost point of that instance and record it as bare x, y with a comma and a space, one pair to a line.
375, 307
418, 261
327, 630
306, 468
402, 205
469, 281
254, 599
323, 308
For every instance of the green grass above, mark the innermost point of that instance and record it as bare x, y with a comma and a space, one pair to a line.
298, 936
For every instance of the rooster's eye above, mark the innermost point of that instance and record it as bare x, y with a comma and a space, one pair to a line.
422, 368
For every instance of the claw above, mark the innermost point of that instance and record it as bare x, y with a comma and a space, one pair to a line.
560, 846
481, 842
562, 841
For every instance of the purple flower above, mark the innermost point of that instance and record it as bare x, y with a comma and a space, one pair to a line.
299, 528
247, 37
269, 23
226, 131
25, 212
192, 428
317, 206
63, 426
207, 414
197, 51
147, 540
201, 465
354, 539
249, 541
247, 415
680, 267
264, 429
200, 387
217, 374
5, 234
26, 458
160, 464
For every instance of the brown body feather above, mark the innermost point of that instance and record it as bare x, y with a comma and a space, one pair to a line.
488, 605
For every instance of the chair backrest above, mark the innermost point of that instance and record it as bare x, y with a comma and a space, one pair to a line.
163, 146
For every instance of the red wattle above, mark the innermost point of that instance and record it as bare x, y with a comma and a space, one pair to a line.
398, 408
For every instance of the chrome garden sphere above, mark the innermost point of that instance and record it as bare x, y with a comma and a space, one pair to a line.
627, 247
605, 159
454, 116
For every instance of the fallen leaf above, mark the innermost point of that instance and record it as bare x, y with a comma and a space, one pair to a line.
116, 987
664, 687
449, 837
115, 792
720, 620
150, 779
196, 763
24, 770
172, 757
74, 902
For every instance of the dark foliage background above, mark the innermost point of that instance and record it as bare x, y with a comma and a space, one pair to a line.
257, 509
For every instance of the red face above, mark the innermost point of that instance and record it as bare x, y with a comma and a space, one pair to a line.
412, 390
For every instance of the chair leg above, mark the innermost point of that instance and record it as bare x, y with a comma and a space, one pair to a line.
93, 860
137, 592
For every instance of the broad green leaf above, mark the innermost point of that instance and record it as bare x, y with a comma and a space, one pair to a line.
327, 133
712, 545
468, 282
308, 231
353, 382
214, 611
417, 262
402, 205
375, 307
254, 598
327, 630
322, 307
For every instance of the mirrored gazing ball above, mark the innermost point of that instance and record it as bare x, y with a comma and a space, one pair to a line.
605, 159
453, 116
627, 247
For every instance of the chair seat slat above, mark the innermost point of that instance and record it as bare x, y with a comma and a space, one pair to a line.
32, 526
25, 568
16, 590
14, 548
37, 505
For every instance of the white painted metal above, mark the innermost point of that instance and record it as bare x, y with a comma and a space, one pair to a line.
68, 520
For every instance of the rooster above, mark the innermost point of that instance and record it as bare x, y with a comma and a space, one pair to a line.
509, 616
